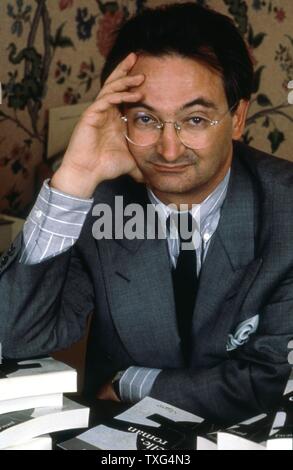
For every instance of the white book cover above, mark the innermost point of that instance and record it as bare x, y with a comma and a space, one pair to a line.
148, 425
228, 441
251, 434
17, 404
36, 377
289, 386
281, 434
204, 443
38, 443
21, 426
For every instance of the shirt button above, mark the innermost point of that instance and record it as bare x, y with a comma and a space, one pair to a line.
206, 236
38, 214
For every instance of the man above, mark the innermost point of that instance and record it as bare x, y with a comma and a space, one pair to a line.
205, 329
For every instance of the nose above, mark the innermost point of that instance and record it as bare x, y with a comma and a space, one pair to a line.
169, 145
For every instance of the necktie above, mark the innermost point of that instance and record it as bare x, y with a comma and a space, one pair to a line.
185, 282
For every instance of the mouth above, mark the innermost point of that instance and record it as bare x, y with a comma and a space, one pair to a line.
171, 168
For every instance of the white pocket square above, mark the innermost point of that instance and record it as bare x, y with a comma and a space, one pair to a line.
242, 333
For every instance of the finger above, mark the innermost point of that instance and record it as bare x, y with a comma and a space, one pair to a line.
123, 68
114, 99
122, 84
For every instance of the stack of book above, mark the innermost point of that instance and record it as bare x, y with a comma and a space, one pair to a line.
32, 403
154, 425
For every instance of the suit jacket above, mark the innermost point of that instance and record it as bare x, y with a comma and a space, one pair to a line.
247, 274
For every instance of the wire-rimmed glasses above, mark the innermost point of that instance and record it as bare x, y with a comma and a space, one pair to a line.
144, 129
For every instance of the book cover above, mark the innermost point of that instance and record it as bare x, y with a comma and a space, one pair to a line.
25, 403
38, 443
148, 425
281, 434
36, 377
251, 434
21, 426
208, 442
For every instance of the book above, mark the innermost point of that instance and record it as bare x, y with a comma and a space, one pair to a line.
233, 442
45, 376
251, 434
207, 442
25, 403
281, 434
148, 425
21, 426
38, 443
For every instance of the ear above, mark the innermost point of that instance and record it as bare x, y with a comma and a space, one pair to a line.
239, 119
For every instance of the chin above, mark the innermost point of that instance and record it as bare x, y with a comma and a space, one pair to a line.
171, 185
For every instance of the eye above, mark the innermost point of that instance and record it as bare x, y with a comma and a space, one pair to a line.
145, 120
197, 121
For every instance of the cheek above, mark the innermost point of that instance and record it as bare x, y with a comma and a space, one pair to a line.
210, 160
221, 145
140, 156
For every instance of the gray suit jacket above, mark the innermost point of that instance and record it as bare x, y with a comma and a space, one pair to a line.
248, 273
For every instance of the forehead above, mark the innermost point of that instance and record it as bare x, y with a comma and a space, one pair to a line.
172, 81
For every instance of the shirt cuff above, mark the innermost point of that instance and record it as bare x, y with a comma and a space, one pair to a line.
53, 225
136, 383
58, 213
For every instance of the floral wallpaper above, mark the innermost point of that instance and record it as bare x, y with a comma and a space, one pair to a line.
51, 54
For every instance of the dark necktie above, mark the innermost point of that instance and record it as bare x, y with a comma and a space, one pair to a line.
185, 282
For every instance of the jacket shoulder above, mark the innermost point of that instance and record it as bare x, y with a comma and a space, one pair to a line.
267, 169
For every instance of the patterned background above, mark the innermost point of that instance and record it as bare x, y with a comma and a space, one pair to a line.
51, 53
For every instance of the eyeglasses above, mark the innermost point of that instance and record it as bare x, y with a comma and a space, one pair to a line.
144, 129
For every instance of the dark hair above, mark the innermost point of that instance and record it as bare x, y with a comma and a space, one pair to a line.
192, 31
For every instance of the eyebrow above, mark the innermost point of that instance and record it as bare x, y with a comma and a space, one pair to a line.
201, 101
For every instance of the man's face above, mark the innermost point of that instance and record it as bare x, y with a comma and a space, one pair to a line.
169, 167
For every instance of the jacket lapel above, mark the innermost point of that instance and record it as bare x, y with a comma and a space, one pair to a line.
230, 266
